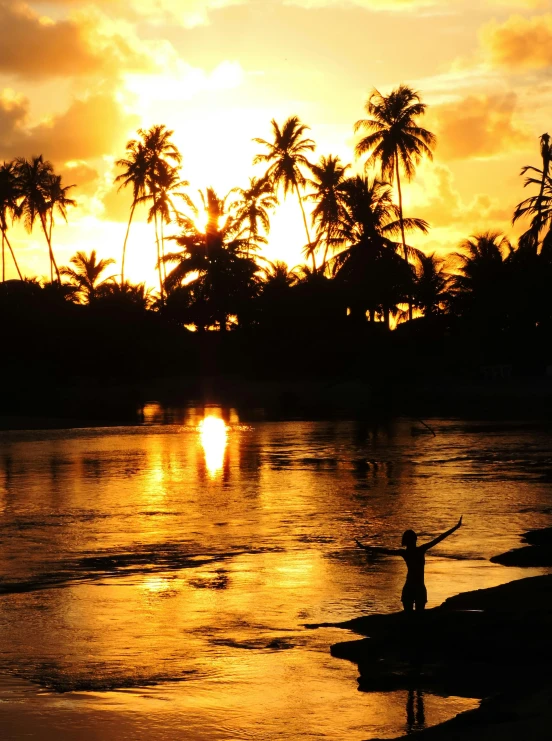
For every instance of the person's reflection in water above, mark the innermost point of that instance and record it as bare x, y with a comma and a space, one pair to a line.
414, 593
415, 712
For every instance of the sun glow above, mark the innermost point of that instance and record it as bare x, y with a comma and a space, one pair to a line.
214, 437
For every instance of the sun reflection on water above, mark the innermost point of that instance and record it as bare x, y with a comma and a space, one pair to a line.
214, 437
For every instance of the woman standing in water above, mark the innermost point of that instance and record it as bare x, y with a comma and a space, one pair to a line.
414, 593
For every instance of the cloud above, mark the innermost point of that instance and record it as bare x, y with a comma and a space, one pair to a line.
13, 112
193, 13
189, 13
395, 6
82, 175
36, 46
91, 127
437, 200
478, 126
117, 203
530, 4
519, 43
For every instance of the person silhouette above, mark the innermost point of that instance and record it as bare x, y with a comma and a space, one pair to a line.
414, 593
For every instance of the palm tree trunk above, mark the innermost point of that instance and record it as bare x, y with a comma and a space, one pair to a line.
306, 225
5, 237
326, 250
125, 242
50, 241
402, 228
3, 260
400, 205
52, 258
163, 250
158, 258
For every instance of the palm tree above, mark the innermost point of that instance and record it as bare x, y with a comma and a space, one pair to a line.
160, 150
146, 159
162, 190
128, 296
431, 289
277, 273
85, 276
285, 156
9, 194
329, 176
135, 173
375, 277
253, 206
480, 287
41, 192
539, 206
276, 307
58, 201
394, 140
213, 275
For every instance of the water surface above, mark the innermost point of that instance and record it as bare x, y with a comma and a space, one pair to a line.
155, 580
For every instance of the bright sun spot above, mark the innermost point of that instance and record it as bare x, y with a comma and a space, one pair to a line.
213, 434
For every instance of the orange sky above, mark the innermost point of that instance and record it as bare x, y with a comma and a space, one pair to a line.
77, 79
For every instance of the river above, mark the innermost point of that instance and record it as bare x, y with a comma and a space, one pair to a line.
155, 581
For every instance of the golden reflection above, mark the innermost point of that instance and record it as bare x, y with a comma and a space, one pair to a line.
156, 584
214, 437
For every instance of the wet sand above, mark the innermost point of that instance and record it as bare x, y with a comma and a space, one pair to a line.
538, 552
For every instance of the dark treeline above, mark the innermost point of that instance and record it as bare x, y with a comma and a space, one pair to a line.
222, 309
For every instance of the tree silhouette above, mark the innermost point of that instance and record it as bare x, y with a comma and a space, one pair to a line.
374, 275
253, 206
162, 190
58, 201
394, 140
327, 184
41, 193
128, 296
480, 286
431, 289
85, 276
285, 157
9, 194
146, 163
540, 205
213, 276
135, 174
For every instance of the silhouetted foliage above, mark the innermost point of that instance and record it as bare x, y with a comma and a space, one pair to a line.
538, 206
328, 195
286, 155
487, 303
213, 273
40, 194
481, 285
394, 140
85, 275
431, 285
149, 171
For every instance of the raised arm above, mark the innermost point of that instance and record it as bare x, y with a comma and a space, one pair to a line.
439, 538
379, 549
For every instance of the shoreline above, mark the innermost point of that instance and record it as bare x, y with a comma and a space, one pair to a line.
89, 403
493, 644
